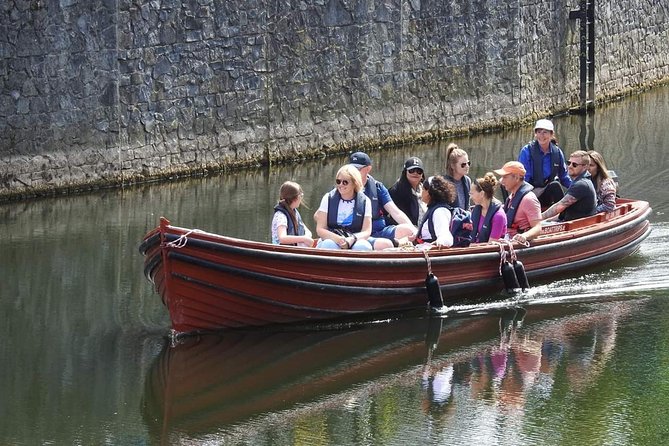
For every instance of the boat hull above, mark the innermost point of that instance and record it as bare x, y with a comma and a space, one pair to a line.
211, 282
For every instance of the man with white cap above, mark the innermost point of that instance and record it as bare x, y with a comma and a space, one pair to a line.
544, 163
523, 211
383, 235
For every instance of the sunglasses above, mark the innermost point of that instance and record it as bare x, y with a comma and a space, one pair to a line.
344, 182
418, 171
577, 164
463, 165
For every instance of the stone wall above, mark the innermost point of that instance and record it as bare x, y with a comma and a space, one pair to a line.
119, 91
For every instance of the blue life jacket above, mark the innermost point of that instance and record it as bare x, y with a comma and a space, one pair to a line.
372, 192
511, 206
427, 217
536, 155
358, 211
484, 235
466, 186
461, 224
290, 229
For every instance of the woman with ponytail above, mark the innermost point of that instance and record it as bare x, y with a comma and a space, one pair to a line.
287, 225
488, 216
457, 170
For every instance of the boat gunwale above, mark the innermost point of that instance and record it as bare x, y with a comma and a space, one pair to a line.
397, 258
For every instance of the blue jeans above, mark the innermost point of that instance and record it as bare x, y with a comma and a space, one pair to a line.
360, 245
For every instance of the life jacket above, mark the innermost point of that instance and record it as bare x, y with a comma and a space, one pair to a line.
372, 192
358, 211
537, 156
290, 229
484, 235
460, 227
511, 206
466, 186
427, 218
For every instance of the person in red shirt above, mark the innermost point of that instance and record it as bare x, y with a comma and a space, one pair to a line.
523, 211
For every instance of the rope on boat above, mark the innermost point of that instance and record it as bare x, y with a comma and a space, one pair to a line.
502, 256
429, 263
182, 240
512, 252
511, 269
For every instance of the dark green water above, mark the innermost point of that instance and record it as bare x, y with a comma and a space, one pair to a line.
84, 357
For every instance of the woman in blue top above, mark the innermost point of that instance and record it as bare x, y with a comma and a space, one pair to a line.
344, 217
287, 225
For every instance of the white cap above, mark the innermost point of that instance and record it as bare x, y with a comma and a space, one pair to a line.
545, 124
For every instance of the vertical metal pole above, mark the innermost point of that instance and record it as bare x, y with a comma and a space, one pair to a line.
580, 15
583, 60
586, 16
590, 19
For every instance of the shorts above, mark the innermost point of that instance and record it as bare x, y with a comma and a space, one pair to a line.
387, 232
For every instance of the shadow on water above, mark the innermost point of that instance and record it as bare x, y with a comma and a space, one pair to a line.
217, 387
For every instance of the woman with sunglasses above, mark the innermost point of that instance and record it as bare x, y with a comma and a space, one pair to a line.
287, 225
435, 226
407, 191
344, 217
457, 169
604, 184
488, 216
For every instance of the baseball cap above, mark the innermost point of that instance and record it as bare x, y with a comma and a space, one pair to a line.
545, 124
512, 167
413, 163
360, 159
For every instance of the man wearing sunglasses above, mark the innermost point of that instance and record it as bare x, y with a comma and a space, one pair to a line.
544, 164
580, 200
383, 235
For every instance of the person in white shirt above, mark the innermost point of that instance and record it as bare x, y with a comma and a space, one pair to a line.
287, 225
435, 226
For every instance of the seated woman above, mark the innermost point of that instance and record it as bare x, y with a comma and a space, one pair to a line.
407, 191
287, 225
488, 216
604, 184
435, 226
344, 218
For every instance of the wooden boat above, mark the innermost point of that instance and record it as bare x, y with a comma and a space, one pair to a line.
210, 282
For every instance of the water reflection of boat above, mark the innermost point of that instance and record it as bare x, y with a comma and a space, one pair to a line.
209, 281
211, 380
211, 383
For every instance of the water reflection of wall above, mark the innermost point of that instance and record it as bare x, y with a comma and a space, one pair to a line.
72, 316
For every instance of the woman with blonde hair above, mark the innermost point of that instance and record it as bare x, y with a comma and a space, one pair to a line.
457, 168
488, 216
287, 225
604, 184
344, 217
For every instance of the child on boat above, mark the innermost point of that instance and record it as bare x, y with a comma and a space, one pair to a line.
287, 225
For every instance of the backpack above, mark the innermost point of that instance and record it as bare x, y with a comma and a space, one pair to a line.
461, 227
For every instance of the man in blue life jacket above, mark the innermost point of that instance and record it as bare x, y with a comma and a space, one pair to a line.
544, 164
580, 200
383, 236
